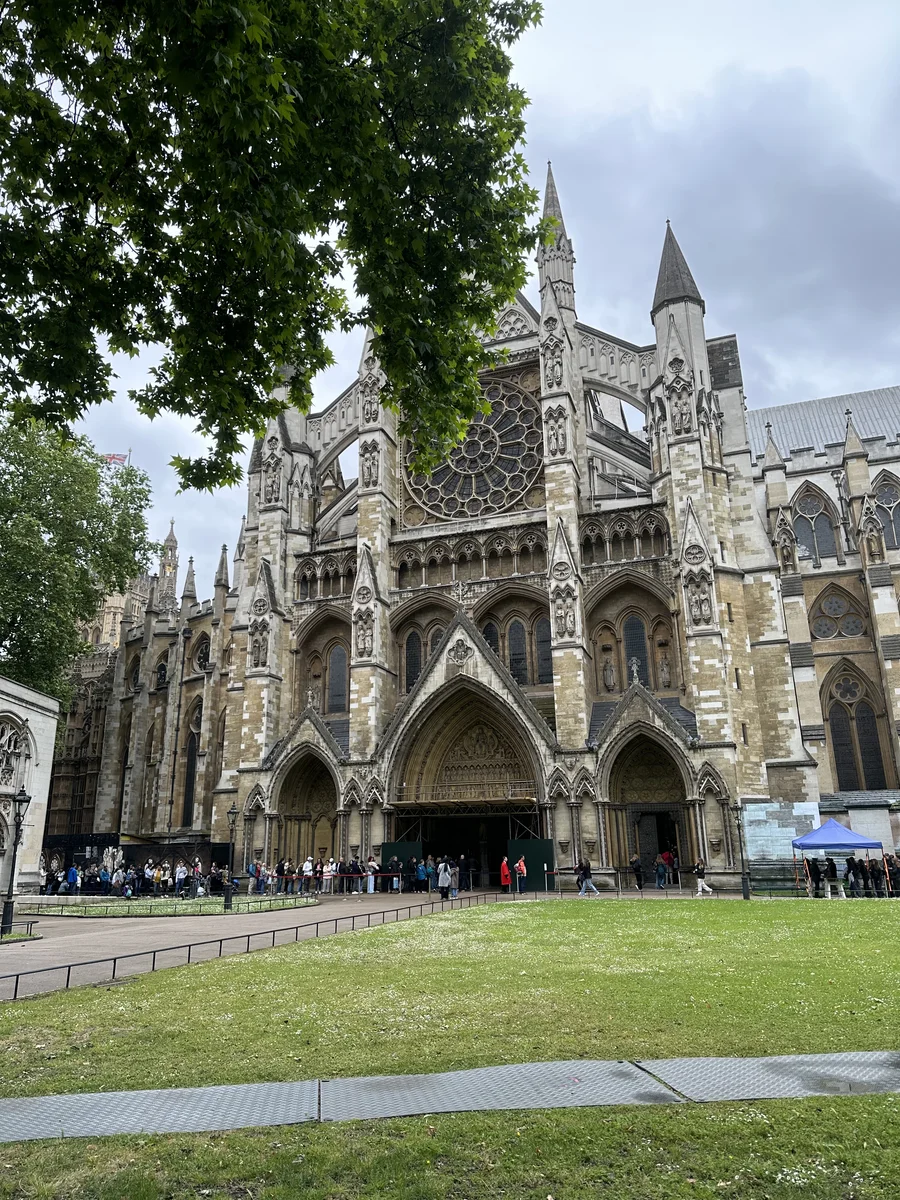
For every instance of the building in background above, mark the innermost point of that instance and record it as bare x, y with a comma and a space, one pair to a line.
27, 734
570, 637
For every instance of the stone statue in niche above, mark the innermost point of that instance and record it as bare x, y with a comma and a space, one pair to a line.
259, 644
559, 611
551, 438
365, 634
368, 464
609, 675
874, 552
634, 665
700, 602
561, 434
682, 420
787, 555
570, 617
665, 672
553, 364
269, 486
705, 603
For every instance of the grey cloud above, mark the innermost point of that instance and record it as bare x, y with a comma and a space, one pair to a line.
789, 231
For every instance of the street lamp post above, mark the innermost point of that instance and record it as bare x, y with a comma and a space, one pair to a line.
232, 815
738, 811
21, 800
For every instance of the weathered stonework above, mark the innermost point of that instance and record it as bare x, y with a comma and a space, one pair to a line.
569, 631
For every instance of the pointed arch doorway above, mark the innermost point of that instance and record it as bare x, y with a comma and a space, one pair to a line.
307, 813
650, 807
467, 784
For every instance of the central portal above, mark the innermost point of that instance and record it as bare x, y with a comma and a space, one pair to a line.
469, 786
647, 790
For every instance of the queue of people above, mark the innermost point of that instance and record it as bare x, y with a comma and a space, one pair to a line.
869, 878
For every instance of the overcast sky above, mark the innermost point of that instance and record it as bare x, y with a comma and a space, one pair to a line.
766, 132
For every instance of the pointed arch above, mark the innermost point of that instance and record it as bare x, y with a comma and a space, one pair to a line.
858, 733
612, 752
886, 490
837, 613
618, 579
352, 795
710, 782
558, 787
585, 788
816, 524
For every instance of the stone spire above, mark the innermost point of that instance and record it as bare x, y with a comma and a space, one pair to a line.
221, 579
556, 260
189, 591
772, 457
853, 447
675, 281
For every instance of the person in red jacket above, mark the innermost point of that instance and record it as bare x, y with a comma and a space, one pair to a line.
505, 877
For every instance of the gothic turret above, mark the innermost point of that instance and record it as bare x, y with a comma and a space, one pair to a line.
675, 281
189, 591
168, 572
556, 261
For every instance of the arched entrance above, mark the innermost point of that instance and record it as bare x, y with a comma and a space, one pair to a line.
307, 813
467, 783
650, 807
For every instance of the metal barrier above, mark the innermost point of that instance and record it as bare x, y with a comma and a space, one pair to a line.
29, 925
351, 922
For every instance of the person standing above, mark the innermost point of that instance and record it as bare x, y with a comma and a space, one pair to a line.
72, 880
465, 878
443, 879
372, 872
669, 859
454, 880
637, 869
521, 874
813, 877
700, 873
851, 878
660, 864
584, 874
505, 877
424, 882
876, 874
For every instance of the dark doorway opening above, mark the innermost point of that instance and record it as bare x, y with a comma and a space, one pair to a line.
655, 832
482, 837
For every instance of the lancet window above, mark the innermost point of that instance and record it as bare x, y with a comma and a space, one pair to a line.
854, 723
887, 506
815, 526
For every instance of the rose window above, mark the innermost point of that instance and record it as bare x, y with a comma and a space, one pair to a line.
495, 464
847, 688
835, 616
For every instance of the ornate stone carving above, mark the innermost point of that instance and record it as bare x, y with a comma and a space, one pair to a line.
370, 389
561, 571
368, 464
552, 354
557, 436
665, 672
260, 605
363, 595
259, 644
609, 675
460, 652
512, 324
501, 448
564, 613
699, 595
694, 554
364, 619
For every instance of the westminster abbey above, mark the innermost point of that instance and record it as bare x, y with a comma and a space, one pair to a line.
579, 635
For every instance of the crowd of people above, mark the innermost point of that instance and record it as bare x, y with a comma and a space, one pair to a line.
129, 881
667, 871
872, 878
342, 876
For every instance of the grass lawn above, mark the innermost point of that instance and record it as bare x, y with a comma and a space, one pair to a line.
19, 937
841, 1149
214, 906
516, 982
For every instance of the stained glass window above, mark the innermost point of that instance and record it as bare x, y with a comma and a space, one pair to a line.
337, 680
869, 747
887, 506
492, 636
814, 528
842, 744
518, 652
190, 780
413, 659
635, 640
544, 651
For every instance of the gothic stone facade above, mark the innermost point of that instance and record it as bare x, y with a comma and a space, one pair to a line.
570, 631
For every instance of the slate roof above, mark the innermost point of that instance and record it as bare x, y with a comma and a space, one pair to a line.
675, 281
602, 710
815, 424
835, 801
340, 731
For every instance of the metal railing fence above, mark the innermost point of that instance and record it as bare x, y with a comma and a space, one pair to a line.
243, 943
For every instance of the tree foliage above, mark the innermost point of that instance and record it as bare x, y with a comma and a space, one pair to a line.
200, 173
72, 530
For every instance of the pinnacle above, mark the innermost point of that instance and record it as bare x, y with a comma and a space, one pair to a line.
552, 207
189, 591
675, 281
853, 447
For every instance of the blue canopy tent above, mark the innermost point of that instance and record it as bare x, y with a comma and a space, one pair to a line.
834, 838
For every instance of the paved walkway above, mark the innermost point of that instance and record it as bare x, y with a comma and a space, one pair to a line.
70, 945
578, 1084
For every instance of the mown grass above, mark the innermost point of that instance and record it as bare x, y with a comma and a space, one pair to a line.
506, 983
834, 1149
